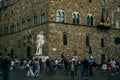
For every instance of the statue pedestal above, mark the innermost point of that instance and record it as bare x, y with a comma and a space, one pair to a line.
35, 55
42, 57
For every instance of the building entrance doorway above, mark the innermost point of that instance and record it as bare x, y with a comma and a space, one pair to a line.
0, 54
103, 58
28, 52
12, 53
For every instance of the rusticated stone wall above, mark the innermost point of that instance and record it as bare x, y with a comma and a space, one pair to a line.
76, 37
23, 10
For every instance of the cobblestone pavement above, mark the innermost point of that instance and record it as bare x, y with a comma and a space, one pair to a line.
98, 75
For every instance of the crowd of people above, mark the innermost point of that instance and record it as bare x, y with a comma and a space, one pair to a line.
112, 66
35, 66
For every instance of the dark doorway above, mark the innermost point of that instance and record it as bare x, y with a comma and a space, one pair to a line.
87, 40
12, 53
103, 58
28, 52
0, 54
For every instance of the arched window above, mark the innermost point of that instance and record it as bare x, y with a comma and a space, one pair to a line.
12, 28
6, 29
60, 16
18, 27
42, 19
23, 25
118, 24
89, 20
29, 23
103, 1
75, 18
6, 2
35, 20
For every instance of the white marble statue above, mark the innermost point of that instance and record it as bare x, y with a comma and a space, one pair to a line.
39, 43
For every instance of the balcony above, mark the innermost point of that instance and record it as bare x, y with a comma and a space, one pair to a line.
106, 26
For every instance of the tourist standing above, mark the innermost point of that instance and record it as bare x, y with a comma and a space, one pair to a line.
29, 66
90, 61
0, 62
6, 64
85, 72
37, 67
66, 64
41, 65
113, 65
104, 67
56, 63
73, 68
48, 67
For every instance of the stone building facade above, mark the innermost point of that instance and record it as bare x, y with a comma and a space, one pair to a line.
70, 27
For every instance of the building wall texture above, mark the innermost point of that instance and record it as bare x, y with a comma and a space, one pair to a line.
22, 10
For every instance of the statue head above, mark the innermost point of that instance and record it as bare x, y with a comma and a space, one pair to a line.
41, 32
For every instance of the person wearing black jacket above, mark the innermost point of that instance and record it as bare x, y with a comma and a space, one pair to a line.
85, 72
6, 64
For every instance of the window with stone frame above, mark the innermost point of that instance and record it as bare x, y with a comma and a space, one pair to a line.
29, 23
103, 1
19, 43
89, 20
117, 40
12, 1
6, 2
23, 25
0, 31
0, 5
6, 14
5, 49
60, 16
64, 39
118, 9
35, 20
42, 18
18, 27
118, 24
12, 28
90, 1
87, 40
102, 42
75, 18
6, 29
